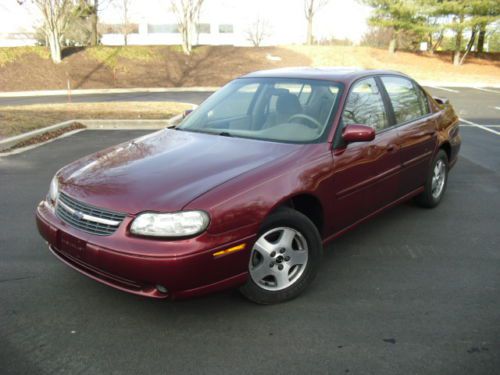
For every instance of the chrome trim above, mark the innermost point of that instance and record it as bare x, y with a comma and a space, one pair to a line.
87, 217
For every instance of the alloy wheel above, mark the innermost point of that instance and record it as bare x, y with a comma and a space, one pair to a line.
278, 259
438, 179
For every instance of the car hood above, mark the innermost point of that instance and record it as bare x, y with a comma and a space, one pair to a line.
165, 170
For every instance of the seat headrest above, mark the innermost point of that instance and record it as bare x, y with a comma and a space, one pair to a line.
288, 104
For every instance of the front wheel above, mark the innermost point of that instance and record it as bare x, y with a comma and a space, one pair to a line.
435, 184
284, 259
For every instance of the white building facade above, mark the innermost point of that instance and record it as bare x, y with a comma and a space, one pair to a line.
222, 22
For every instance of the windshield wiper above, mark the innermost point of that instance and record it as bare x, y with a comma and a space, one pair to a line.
225, 134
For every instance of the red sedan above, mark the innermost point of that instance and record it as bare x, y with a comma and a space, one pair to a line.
251, 186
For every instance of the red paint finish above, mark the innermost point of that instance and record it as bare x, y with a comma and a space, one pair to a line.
238, 182
358, 133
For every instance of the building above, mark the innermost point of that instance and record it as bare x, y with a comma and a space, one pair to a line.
222, 22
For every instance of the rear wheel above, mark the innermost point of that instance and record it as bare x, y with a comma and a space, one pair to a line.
284, 259
435, 185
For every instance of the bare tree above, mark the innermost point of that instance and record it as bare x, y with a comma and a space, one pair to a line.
56, 14
310, 9
94, 19
92, 9
124, 6
187, 13
258, 31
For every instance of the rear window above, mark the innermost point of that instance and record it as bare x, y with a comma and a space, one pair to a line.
406, 100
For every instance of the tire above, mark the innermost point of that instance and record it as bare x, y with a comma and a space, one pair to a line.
285, 258
434, 188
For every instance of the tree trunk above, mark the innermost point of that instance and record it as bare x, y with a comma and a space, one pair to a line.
93, 36
55, 47
310, 31
186, 40
393, 44
125, 38
438, 42
458, 41
480, 38
458, 46
470, 44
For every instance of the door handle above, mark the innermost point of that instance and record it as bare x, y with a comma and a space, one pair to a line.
391, 148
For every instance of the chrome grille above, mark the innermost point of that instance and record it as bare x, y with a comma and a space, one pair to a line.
87, 218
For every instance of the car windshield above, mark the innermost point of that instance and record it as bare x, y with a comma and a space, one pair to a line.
274, 109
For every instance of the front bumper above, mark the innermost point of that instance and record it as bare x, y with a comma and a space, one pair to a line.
185, 267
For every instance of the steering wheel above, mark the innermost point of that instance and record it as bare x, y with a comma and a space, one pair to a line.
316, 124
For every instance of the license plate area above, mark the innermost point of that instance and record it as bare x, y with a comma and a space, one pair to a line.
70, 245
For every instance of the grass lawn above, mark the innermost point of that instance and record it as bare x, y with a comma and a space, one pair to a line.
30, 68
19, 119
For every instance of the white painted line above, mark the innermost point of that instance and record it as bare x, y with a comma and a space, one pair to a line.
497, 108
473, 126
486, 90
444, 89
480, 126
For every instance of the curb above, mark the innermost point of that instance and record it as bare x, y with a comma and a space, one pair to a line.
20, 94
460, 85
12, 141
8, 143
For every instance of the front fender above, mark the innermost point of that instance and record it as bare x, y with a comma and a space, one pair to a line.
246, 201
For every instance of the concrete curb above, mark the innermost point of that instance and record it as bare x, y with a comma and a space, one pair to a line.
92, 124
20, 94
12, 141
460, 85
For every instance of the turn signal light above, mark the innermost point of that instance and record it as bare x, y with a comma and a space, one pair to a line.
230, 250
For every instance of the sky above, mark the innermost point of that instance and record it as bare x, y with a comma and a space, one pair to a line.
340, 18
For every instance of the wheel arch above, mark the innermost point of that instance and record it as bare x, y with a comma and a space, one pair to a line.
307, 204
446, 147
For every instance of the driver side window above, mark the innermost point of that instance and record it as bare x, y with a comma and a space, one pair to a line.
364, 106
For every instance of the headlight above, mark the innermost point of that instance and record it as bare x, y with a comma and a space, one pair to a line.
179, 224
53, 190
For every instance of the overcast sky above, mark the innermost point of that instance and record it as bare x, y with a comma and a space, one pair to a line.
339, 19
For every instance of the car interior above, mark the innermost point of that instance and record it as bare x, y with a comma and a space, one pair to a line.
275, 110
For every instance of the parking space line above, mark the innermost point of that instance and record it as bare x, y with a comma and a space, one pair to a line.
480, 126
444, 89
486, 90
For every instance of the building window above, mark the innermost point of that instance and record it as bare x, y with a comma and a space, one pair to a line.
226, 29
171, 28
118, 28
203, 28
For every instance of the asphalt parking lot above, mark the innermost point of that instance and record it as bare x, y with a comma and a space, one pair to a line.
413, 291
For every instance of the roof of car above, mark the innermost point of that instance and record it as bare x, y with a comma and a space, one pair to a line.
338, 74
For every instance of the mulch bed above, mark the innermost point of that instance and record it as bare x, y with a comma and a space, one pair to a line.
46, 136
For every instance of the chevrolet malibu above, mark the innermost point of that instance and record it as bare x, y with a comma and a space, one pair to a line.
251, 186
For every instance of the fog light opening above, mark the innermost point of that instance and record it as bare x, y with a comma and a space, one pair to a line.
161, 289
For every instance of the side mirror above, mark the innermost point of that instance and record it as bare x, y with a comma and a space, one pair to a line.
186, 113
441, 101
358, 133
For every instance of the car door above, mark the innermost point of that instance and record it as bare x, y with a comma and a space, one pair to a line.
366, 174
416, 130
